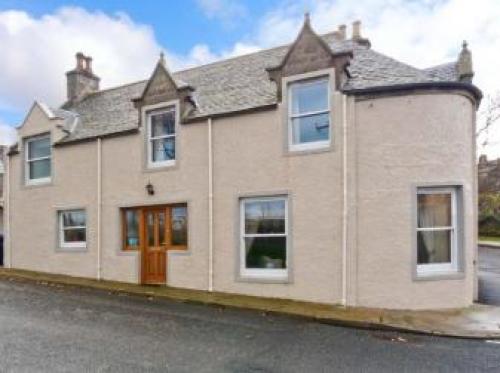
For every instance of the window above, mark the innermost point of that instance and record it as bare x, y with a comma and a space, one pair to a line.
264, 230
38, 158
172, 226
309, 114
161, 137
73, 228
436, 230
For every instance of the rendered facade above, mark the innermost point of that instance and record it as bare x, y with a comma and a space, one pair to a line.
320, 171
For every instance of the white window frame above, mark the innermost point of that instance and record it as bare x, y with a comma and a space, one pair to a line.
263, 273
290, 116
452, 266
74, 244
27, 160
159, 109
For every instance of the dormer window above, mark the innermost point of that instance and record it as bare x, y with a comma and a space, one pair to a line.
38, 153
161, 128
309, 114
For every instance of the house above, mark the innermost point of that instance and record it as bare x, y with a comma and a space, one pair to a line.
320, 171
488, 174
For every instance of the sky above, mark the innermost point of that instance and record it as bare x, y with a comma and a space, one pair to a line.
38, 40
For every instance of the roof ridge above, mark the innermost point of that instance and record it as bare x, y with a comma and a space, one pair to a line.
328, 34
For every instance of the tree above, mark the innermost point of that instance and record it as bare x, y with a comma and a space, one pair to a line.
488, 116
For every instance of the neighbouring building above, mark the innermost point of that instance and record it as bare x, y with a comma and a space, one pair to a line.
319, 171
488, 174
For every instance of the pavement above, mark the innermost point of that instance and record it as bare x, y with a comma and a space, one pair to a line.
50, 327
489, 274
477, 321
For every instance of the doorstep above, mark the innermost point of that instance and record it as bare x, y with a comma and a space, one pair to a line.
490, 244
477, 321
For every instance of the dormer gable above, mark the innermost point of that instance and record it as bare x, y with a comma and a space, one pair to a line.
308, 53
163, 87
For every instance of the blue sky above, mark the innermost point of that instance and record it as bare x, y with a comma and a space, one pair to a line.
40, 38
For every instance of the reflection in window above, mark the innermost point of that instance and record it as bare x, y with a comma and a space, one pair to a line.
309, 114
161, 136
264, 236
179, 226
73, 228
132, 228
38, 159
436, 229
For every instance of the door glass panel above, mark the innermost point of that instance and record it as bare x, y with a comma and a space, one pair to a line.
161, 227
179, 225
150, 222
132, 227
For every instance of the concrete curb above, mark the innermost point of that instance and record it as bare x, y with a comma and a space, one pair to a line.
363, 318
489, 244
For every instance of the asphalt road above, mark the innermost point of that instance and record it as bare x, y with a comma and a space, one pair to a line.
489, 275
56, 329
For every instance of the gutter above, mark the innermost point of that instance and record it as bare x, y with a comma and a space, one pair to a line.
210, 210
440, 86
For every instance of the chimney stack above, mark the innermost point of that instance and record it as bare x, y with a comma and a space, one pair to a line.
464, 64
81, 80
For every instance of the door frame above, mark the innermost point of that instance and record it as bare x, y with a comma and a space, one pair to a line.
142, 226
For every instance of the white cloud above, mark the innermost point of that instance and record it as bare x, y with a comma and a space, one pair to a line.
8, 134
227, 11
37, 51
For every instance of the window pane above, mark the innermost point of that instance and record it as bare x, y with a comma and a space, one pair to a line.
132, 227
74, 235
39, 169
150, 229
161, 228
434, 247
265, 217
311, 128
309, 97
73, 218
265, 252
163, 123
434, 210
179, 225
163, 149
39, 148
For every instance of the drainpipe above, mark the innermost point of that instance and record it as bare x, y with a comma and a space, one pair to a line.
99, 207
345, 203
210, 210
7, 211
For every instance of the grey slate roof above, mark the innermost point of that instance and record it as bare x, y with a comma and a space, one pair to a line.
241, 83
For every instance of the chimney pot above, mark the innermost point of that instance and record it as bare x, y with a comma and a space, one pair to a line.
80, 58
342, 31
88, 61
356, 30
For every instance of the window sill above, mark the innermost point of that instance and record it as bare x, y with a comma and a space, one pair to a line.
297, 151
263, 279
151, 167
435, 276
37, 184
72, 249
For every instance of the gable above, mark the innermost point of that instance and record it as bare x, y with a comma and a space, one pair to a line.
308, 53
160, 87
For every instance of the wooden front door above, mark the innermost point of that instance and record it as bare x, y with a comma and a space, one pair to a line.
154, 263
